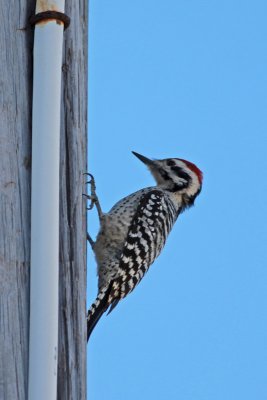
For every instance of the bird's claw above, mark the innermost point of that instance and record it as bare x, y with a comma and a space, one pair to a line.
92, 180
92, 196
93, 200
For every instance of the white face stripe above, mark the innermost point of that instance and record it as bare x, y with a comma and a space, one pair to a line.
193, 168
165, 175
194, 185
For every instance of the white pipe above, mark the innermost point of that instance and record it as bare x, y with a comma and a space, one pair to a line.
45, 205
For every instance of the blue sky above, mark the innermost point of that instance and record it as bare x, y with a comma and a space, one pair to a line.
184, 79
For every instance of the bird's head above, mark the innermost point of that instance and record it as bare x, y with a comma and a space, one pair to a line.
176, 175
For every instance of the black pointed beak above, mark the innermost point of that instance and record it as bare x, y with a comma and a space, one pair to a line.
144, 159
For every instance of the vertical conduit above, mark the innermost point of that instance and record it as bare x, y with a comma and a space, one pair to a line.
48, 43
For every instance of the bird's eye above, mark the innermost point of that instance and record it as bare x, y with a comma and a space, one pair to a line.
170, 163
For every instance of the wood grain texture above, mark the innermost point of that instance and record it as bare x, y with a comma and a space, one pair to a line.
16, 40
15, 177
72, 275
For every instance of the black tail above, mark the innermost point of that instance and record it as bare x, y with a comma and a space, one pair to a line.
97, 309
105, 298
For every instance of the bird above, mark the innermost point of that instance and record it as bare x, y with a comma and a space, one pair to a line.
133, 233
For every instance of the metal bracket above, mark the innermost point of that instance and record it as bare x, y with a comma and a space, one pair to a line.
59, 16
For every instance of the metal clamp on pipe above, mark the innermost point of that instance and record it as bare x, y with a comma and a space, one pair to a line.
48, 15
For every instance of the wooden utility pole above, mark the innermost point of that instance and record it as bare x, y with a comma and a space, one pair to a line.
16, 40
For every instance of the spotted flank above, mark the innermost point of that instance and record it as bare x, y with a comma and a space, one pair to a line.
147, 234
